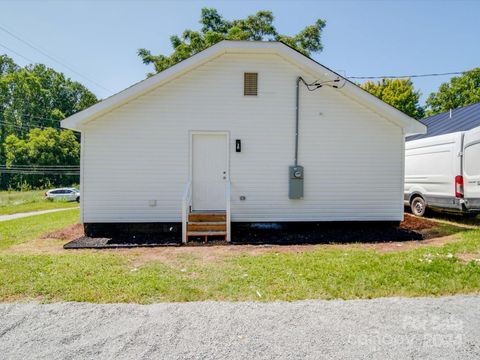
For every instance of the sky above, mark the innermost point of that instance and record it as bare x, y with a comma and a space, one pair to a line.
96, 42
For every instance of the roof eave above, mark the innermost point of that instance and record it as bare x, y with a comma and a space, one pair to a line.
77, 121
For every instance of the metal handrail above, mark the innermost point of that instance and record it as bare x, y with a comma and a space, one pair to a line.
186, 203
228, 189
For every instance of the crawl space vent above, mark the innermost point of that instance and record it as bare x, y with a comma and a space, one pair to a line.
250, 84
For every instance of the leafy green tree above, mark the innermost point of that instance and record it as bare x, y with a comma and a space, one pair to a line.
459, 91
38, 96
7, 65
399, 93
215, 28
35, 96
40, 148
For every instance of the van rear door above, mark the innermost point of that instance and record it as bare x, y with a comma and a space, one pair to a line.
471, 169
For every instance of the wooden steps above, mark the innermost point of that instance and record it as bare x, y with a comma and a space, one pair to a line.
207, 217
207, 224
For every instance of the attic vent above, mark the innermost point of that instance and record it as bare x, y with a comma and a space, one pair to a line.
250, 84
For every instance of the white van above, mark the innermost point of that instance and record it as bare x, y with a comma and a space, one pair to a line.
443, 173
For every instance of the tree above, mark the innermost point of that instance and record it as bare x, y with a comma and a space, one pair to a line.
215, 29
40, 148
38, 96
399, 93
459, 91
35, 96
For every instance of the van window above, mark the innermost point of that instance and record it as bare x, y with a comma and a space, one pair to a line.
472, 160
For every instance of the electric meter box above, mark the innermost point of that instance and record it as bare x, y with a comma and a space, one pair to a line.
295, 182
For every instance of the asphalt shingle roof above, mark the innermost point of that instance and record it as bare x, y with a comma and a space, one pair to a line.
463, 119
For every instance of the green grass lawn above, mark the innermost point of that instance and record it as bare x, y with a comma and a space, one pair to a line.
14, 232
13, 202
326, 273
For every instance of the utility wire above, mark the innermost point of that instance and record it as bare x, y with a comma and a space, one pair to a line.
40, 118
17, 53
24, 126
33, 172
45, 170
33, 166
53, 58
406, 76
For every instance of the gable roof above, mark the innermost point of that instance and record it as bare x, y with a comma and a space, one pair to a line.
461, 119
78, 120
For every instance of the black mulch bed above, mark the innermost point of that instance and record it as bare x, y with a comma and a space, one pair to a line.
317, 233
271, 233
86, 242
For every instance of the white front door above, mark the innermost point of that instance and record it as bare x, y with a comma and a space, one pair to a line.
209, 171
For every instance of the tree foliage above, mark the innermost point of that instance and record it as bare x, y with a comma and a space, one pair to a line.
35, 96
41, 147
215, 28
399, 93
459, 91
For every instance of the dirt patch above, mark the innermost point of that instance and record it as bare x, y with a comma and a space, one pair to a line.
395, 246
50, 243
417, 224
38, 246
68, 233
181, 256
214, 251
468, 257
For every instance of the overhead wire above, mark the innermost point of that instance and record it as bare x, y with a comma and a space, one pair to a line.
43, 52
40, 169
17, 53
406, 76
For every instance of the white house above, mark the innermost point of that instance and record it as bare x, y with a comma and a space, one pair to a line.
213, 141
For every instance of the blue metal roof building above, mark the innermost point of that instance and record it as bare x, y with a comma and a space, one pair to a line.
462, 119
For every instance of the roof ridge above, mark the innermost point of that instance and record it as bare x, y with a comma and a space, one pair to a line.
447, 111
463, 118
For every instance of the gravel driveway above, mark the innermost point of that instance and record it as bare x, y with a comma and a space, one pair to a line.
394, 328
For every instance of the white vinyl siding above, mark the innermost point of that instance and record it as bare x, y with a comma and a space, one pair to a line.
138, 152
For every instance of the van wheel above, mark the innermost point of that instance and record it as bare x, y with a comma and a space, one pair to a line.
418, 206
77, 199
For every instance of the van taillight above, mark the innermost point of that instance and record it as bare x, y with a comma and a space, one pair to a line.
459, 186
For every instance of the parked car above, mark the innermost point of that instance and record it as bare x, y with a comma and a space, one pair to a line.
443, 173
69, 194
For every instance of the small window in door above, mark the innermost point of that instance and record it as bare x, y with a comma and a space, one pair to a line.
250, 84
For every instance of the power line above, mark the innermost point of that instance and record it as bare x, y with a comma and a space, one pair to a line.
33, 172
406, 76
17, 53
25, 126
53, 58
40, 166
40, 169
41, 118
